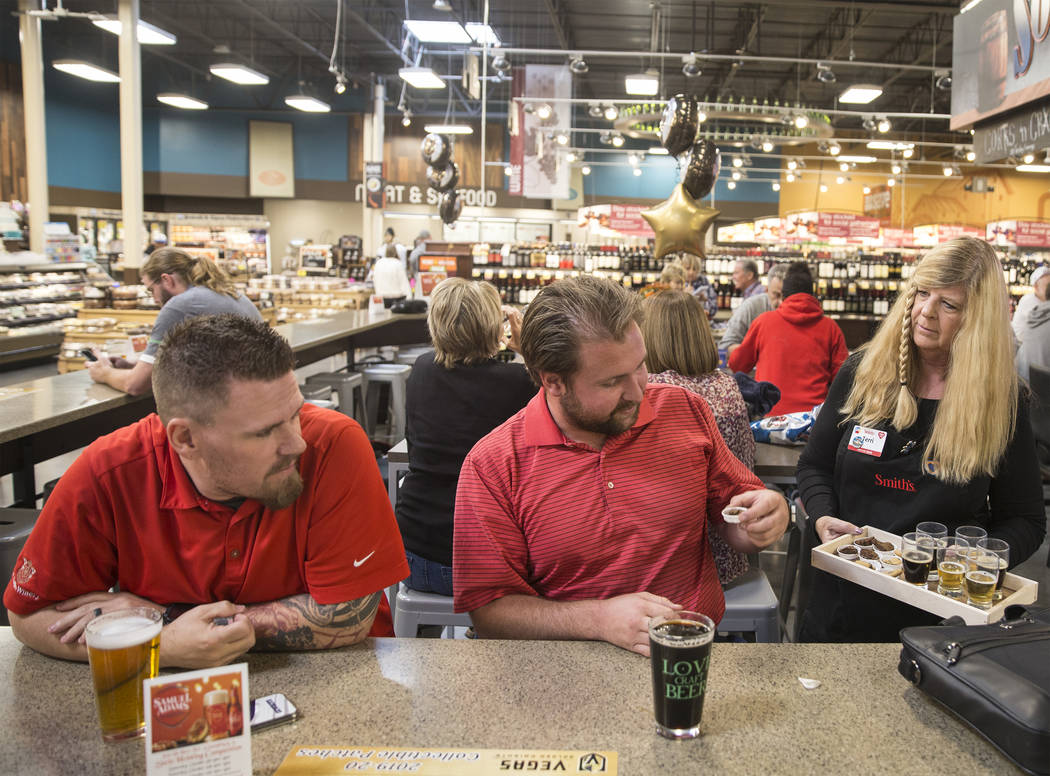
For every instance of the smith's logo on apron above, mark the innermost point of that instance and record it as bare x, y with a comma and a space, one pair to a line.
898, 483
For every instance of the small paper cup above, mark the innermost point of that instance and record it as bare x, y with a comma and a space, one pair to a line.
732, 514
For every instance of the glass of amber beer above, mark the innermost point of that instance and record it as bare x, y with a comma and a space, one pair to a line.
680, 650
124, 650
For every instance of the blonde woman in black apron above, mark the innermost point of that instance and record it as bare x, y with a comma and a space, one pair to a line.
927, 422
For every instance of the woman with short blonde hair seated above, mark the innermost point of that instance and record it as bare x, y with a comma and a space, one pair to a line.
457, 393
680, 350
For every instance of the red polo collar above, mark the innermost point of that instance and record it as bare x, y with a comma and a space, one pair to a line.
540, 428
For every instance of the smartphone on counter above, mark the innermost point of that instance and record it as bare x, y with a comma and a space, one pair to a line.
272, 710
86, 353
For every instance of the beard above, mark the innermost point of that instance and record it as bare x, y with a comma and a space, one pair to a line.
616, 422
273, 493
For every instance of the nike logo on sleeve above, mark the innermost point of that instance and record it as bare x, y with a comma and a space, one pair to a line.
362, 560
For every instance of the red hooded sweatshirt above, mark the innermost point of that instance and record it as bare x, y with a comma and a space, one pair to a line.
797, 348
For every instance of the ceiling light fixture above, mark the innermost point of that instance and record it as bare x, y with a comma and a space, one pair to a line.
544, 111
594, 110
507, 171
908, 153
869, 123
578, 66
340, 83
561, 138
895, 168
861, 94
792, 164
738, 161
148, 34
571, 157
840, 180
776, 186
657, 151
801, 121
867, 189
834, 149
605, 138
824, 73
731, 185
501, 64
437, 32
483, 33
767, 146
891, 182
86, 70
790, 177
183, 101
611, 113
889, 145
1044, 168
947, 171
239, 74
690, 67
736, 175
406, 119
305, 102
884, 125
421, 77
943, 80
449, 129
823, 188
1028, 158
970, 156
637, 172
857, 159
701, 117
645, 84
442, 5
617, 140
586, 169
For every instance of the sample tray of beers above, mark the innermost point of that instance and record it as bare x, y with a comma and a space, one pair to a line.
874, 559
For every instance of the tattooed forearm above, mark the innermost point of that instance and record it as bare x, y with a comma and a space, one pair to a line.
300, 623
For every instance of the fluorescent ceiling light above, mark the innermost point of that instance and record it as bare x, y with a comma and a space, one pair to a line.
481, 32
450, 129
184, 101
86, 70
857, 159
1033, 168
239, 74
969, 6
861, 94
149, 35
890, 145
645, 84
306, 103
437, 32
421, 78
658, 151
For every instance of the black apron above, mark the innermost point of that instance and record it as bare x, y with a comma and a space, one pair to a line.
892, 492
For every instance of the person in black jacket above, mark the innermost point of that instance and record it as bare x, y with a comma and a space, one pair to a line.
927, 422
457, 394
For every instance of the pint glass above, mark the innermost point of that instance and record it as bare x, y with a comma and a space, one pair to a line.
680, 649
124, 650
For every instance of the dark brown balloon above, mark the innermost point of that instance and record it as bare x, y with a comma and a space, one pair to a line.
437, 150
443, 179
700, 168
679, 124
451, 206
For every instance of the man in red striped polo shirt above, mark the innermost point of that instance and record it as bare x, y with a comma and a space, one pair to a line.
588, 512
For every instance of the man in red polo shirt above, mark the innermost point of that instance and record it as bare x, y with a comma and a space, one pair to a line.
589, 511
245, 516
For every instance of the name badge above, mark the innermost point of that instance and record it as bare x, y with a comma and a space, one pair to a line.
869, 441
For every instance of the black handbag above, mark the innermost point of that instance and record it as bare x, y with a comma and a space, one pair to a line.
996, 678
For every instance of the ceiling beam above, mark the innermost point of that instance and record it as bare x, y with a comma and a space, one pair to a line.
559, 21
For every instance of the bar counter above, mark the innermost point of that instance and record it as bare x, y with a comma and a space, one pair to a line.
863, 719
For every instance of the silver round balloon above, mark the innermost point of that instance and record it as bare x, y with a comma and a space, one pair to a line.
679, 124
451, 206
437, 150
443, 179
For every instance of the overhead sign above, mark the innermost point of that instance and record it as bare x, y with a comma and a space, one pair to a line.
1023, 234
544, 168
1000, 59
622, 219
1023, 133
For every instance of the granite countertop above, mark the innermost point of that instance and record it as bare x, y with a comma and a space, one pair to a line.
864, 719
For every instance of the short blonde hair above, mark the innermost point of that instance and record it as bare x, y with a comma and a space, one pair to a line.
465, 322
690, 262
674, 272
976, 418
677, 335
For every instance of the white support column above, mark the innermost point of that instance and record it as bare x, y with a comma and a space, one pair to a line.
131, 135
372, 220
36, 134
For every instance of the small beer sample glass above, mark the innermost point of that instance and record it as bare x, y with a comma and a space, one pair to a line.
952, 564
937, 532
680, 650
980, 578
1002, 551
917, 554
123, 650
970, 534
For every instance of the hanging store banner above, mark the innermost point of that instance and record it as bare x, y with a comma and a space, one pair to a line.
1001, 233
515, 126
846, 227
375, 189
743, 232
1022, 234
767, 230
800, 227
545, 171
1025, 132
1000, 59
878, 202
625, 220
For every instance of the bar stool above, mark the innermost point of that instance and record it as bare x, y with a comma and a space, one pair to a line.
349, 387
409, 355
413, 608
15, 527
396, 376
318, 395
751, 606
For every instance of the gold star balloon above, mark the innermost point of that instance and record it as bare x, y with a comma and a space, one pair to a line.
680, 224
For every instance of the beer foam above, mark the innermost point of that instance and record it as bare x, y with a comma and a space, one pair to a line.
122, 632
660, 636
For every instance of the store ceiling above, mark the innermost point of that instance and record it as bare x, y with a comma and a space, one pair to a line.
293, 41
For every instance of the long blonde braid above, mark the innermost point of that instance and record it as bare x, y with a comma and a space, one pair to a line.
906, 410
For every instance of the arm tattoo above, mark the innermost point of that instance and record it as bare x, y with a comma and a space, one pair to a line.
298, 622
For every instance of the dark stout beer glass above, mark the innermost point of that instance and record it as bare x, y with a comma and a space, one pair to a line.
680, 649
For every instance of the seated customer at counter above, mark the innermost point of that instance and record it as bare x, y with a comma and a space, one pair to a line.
184, 286
950, 442
245, 516
456, 394
589, 511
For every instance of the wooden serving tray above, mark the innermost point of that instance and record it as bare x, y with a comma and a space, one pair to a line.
1016, 589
